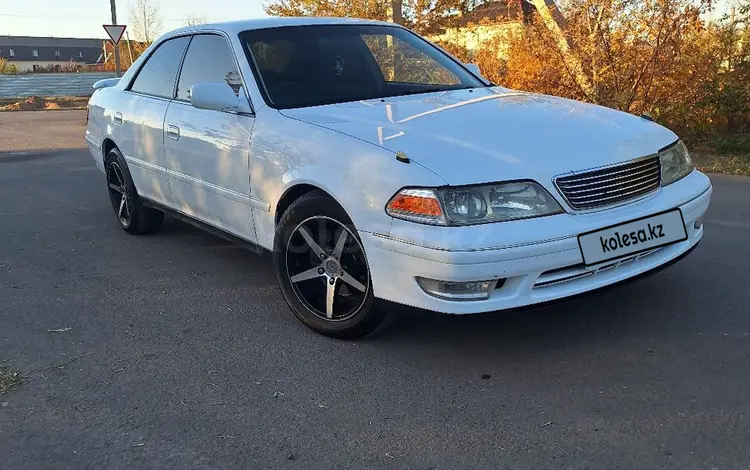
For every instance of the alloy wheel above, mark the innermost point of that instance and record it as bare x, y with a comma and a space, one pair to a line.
327, 268
122, 201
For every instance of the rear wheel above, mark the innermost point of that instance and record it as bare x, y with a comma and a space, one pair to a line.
133, 216
322, 269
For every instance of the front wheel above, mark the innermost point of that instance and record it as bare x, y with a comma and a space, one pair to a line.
322, 269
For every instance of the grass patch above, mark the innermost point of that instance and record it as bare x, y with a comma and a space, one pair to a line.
739, 146
729, 155
726, 164
9, 380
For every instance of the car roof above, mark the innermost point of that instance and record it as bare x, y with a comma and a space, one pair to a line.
236, 27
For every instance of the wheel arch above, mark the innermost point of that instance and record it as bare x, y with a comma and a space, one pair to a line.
295, 192
107, 146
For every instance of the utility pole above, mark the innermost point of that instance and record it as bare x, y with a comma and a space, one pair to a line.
130, 49
117, 46
396, 14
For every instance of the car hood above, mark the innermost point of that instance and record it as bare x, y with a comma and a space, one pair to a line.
493, 134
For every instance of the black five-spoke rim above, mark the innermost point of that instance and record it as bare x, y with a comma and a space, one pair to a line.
118, 193
327, 268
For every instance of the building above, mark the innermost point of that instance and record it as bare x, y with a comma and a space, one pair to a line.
486, 22
29, 54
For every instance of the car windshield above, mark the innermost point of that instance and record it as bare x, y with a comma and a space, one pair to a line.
301, 66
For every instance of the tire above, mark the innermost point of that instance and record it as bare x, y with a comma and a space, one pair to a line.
333, 269
132, 215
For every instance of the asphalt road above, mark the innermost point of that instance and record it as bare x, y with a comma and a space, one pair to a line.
181, 353
29, 131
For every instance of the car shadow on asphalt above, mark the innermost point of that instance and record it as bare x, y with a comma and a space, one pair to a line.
564, 323
16, 156
647, 309
640, 309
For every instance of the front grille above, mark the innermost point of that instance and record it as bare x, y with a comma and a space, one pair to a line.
611, 185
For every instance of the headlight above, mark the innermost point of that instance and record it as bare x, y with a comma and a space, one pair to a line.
473, 204
675, 163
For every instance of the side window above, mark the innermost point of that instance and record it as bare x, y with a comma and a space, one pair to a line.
403, 63
158, 74
208, 60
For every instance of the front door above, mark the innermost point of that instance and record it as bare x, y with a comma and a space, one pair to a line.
208, 152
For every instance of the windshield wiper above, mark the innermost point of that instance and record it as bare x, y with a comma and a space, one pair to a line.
418, 92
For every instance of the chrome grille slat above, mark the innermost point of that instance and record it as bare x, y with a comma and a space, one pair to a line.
597, 173
578, 191
611, 185
620, 197
585, 197
594, 183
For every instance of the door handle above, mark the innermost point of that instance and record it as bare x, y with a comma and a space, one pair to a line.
118, 117
173, 132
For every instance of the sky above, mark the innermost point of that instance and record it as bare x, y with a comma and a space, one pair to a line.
84, 18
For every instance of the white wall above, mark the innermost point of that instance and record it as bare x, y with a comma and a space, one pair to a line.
473, 37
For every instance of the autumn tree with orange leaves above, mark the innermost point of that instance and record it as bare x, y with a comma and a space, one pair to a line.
640, 56
422, 16
655, 56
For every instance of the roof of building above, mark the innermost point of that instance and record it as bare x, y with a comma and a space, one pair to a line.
49, 49
49, 41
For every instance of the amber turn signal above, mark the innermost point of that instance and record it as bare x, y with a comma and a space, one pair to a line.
419, 205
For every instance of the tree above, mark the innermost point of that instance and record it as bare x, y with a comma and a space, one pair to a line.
654, 56
434, 16
424, 16
195, 20
145, 20
743, 8
371, 9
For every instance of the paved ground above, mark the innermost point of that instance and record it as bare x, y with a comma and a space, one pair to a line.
182, 354
41, 130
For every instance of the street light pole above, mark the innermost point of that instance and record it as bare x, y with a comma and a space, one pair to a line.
117, 46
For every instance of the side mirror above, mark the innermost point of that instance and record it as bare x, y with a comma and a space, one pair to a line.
106, 83
218, 97
474, 68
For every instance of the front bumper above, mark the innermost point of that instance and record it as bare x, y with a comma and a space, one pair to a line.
539, 259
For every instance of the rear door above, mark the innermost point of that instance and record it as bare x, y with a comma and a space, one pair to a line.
208, 152
140, 114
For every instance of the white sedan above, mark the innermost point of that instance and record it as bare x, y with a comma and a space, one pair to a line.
376, 166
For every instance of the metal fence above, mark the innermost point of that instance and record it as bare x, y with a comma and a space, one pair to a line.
50, 84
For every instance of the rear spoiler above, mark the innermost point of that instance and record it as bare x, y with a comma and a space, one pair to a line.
106, 83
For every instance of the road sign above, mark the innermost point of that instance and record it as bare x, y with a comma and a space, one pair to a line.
114, 31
